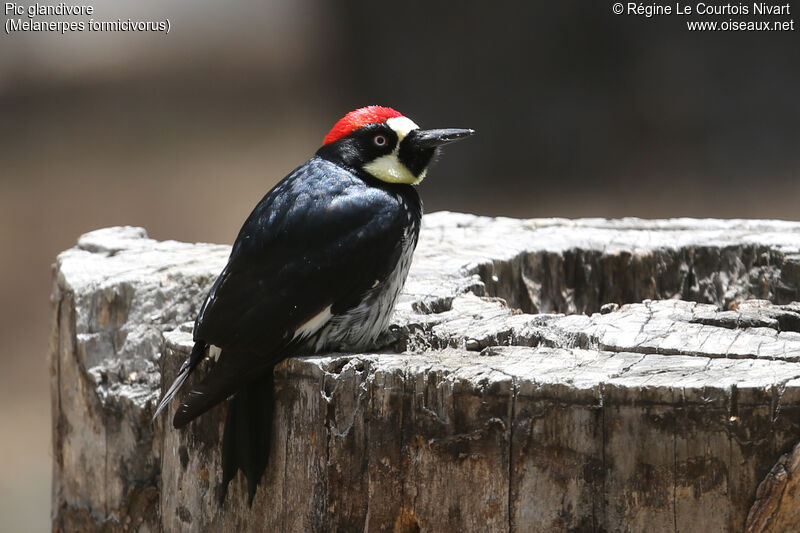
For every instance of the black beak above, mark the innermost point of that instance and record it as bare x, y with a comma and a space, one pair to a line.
434, 138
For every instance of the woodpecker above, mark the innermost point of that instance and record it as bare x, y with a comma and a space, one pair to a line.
317, 266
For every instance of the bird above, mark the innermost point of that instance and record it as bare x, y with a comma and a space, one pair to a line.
316, 267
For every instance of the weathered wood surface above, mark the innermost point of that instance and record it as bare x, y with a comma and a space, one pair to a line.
509, 409
776, 506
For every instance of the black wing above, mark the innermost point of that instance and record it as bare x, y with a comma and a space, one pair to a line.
318, 238
310, 243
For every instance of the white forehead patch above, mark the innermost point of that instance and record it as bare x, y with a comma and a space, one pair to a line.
402, 126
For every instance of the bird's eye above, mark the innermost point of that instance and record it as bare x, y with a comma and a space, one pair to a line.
379, 140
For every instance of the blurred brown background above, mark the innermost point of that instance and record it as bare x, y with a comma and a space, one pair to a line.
579, 113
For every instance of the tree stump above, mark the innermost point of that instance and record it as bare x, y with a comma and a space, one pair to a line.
539, 375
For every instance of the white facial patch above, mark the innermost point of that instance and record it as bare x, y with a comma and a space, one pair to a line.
388, 167
313, 324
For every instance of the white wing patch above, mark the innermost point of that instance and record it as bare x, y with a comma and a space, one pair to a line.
313, 324
214, 352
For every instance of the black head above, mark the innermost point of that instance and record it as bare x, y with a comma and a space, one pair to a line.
385, 144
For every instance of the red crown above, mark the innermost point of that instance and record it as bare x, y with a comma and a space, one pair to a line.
358, 118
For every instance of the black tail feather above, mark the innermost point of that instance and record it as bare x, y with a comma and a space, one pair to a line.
232, 371
188, 366
248, 428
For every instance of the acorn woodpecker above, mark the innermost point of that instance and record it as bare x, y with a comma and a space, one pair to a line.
317, 266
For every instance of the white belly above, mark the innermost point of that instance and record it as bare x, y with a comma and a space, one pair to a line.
358, 328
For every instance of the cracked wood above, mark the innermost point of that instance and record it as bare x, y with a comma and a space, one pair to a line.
507, 396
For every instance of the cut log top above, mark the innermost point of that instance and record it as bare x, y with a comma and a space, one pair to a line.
539, 375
